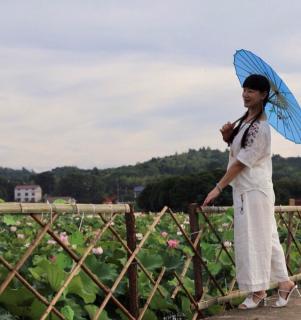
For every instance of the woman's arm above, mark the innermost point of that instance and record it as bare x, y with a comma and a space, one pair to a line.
231, 173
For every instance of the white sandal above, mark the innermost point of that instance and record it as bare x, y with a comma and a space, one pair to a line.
281, 302
249, 303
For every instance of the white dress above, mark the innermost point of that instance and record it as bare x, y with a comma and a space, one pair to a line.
259, 256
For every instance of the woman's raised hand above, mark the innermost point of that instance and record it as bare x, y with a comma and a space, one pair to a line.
226, 131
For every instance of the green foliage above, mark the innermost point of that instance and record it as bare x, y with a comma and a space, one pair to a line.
177, 192
185, 307
165, 304
21, 302
63, 261
82, 286
67, 312
91, 309
59, 201
49, 266
100, 268
48, 269
214, 267
215, 309
46, 180
50, 273
10, 219
77, 238
174, 180
150, 260
149, 315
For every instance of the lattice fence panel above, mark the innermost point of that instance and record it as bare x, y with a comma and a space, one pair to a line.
86, 261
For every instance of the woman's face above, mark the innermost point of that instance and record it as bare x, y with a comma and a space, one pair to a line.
253, 98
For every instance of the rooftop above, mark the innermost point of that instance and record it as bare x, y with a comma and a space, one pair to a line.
27, 186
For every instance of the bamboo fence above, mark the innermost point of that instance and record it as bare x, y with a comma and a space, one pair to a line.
133, 309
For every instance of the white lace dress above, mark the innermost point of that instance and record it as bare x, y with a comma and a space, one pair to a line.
259, 255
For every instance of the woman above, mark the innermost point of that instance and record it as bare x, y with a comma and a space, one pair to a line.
259, 257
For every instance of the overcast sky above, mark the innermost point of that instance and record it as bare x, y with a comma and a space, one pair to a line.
103, 83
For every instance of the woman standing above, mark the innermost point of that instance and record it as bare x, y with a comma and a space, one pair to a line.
259, 256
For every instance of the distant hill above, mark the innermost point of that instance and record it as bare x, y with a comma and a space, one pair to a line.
94, 185
17, 175
177, 164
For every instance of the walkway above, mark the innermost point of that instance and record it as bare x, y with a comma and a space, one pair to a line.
291, 312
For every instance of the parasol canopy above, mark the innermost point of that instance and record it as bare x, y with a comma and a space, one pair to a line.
282, 109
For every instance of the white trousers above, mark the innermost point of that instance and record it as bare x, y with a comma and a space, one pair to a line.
259, 256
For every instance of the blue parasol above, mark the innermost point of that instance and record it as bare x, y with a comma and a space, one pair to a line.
283, 110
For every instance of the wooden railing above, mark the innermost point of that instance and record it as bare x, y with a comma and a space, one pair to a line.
211, 287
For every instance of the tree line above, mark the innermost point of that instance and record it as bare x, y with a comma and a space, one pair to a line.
175, 180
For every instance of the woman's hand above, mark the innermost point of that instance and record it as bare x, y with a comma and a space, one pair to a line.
213, 194
234, 170
226, 131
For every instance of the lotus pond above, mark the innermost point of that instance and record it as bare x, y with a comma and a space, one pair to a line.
49, 265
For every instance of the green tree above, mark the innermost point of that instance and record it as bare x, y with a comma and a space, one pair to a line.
85, 188
46, 180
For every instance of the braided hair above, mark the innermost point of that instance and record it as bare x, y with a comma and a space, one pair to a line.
254, 82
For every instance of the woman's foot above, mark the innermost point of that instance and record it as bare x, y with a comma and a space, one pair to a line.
253, 300
285, 287
285, 290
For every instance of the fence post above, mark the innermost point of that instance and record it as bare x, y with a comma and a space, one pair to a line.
289, 238
132, 271
197, 267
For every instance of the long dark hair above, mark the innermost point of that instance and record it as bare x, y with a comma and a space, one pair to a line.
254, 82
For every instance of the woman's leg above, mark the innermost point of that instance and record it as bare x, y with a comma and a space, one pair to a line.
253, 213
278, 265
259, 255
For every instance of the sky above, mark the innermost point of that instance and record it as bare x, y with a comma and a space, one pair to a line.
97, 83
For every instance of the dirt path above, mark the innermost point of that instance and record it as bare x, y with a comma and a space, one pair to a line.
291, 312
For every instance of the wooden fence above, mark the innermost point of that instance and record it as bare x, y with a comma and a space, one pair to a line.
201, 223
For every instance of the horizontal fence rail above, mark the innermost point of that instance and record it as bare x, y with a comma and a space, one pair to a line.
38, 208
106, 259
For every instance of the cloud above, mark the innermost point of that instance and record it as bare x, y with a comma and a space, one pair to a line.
206, 30
110, 83
64, 110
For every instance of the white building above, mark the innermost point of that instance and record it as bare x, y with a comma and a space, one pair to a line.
28, 193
